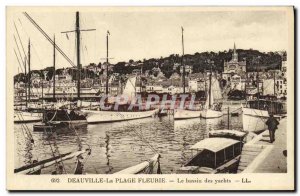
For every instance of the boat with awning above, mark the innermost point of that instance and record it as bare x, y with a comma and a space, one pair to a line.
213, 155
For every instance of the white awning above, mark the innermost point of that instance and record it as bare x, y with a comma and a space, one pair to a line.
214, 144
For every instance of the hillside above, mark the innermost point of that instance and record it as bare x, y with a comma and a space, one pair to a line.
255, 59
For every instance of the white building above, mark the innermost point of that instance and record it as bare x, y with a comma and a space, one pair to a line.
280, 87
237, 83
194, 85
154, 88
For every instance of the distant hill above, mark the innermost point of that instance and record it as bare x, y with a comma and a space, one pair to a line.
255, 59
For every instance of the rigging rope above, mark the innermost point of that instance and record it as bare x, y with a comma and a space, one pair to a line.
18, 61
55, 150
25, 56
49, 39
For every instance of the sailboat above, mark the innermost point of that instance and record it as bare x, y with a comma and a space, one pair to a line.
63, 113
58, 115
212, 110
256, 112
122, 113
180, 114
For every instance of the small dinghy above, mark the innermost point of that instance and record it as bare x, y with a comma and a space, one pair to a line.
48, 126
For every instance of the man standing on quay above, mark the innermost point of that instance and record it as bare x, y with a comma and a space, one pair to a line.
272, 126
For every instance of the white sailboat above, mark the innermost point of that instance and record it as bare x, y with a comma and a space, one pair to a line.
27, 117
186, 114
212, 110
180, 114
97, 116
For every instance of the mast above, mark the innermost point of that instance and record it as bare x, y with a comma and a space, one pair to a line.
25, 83
246, 82
54, 72
29, 77
106, 92
183, 75
141, 84
257, 81
42, 93
77, 31
274, 84
209, 88
205, 80
77, 34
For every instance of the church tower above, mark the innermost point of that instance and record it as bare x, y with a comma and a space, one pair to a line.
235, 54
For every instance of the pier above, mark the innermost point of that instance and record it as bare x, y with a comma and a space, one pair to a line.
261, 156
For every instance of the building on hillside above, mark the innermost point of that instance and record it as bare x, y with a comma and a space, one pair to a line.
196, 85
175, 66
175, 76
233, 66
104, 66
237, 83
278, 89
136, 71
188, 69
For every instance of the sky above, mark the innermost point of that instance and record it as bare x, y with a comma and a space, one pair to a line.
140, 33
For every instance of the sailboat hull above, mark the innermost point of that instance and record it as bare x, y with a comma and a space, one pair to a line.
27, 117
254, 120
208, 114
115, 116
186, 114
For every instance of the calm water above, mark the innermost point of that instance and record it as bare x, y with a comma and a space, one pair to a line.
116, 146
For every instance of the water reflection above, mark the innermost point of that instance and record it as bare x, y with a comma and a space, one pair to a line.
28, 152
116, 146
110, 168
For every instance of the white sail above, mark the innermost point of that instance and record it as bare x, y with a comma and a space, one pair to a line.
216, 89
130, 86
216, 93
211, 111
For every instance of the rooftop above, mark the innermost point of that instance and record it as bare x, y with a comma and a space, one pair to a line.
214, 144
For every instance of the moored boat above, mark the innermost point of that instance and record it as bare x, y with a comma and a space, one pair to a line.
256, 114
210, 113
94, 116
180, 114
59, 119
27, 117
145, 167
213, 155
